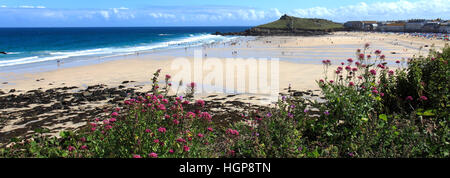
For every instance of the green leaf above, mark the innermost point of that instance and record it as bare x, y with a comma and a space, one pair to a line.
383, 117
428, 113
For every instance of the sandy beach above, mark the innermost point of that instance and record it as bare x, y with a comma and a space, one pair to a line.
300, 60
300, 67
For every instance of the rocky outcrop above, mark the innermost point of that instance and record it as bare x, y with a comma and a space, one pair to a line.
275, 32
291, 26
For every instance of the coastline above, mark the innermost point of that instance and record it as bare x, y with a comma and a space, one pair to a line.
133, 73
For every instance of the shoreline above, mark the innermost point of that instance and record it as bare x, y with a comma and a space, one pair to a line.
59, 99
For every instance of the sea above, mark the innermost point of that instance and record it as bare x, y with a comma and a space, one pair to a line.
39, 46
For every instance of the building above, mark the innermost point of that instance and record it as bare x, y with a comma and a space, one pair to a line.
444, 27
391, 27
361, 25
431, 27
415, 25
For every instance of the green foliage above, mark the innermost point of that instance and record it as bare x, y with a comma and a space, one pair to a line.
289, 22
370, 111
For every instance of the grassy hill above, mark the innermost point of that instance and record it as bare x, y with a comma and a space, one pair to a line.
289, 22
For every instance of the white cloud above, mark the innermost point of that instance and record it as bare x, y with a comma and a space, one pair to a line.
398, 10
3, 6
105, 14
162, 15
32, 7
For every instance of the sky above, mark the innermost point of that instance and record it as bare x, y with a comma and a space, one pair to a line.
120, 13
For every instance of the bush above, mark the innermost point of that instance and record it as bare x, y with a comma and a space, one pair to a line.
370, 111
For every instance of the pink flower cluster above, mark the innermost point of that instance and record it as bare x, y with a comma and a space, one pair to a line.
232, 132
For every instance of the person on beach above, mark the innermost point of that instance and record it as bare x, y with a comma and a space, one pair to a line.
58, 62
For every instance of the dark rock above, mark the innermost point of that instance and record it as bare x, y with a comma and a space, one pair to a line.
12, 90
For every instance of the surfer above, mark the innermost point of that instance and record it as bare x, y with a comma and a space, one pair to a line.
3, 52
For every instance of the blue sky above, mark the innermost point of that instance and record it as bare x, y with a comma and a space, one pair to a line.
82, 13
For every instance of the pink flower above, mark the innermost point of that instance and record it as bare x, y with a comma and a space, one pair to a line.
357, 63
162, 130
210, 129
423, 98
410, 98
93, 129
373, 72
326, 62
206, 116
84, 147
93, 124
351, 84
162, 107
147, 131
117, 109
232, 132
165, 101
377, 51
191, 114
71, 148
186, 148
181, 140
375, 91
350, 60
200, 135
348, 68
361, 56
398, 62
176, 122
168, 77
382, 57
192, 85
355, 69
391, 72
112, 120
137, 156
366, 45
153, 155
369, 56
171, 151
331, 81
156, 141
114, 114
83, 139
201, 103
381, 94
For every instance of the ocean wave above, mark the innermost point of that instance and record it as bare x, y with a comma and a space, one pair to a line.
192, 40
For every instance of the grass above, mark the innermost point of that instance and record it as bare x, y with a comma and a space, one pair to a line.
288, 22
